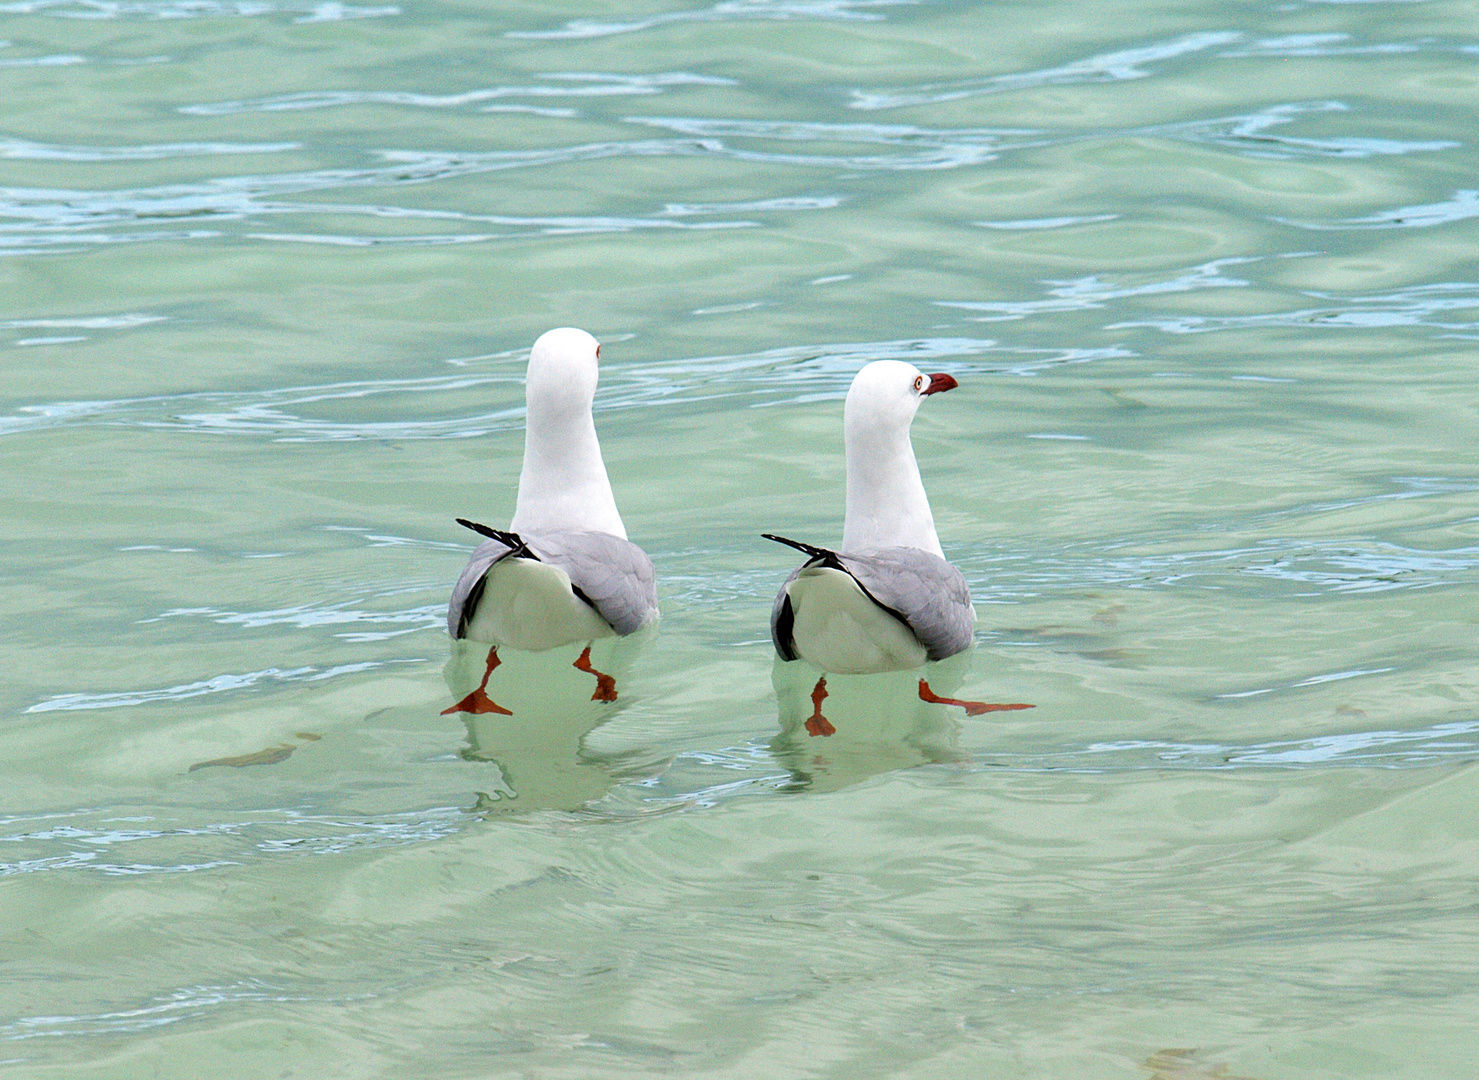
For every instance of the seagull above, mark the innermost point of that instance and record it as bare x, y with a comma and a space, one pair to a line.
564, 570
888, 600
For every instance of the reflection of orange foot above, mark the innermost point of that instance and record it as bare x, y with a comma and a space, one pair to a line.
605, 684
816, 723
478, 701
972, 708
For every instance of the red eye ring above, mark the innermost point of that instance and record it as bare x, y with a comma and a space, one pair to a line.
919, 383
598, 352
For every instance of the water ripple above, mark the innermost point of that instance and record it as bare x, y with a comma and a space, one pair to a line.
71, 219
1316, 45
727, 11
1128, 64
86, 839
93, 322
1249, 135
571, 84
216, 685
308, 616
309, 11
1046, 223
1086, 293
1419, 305
941, 148
780, 376
1437, 744
1304, 568
1313, 680
25, 150
61, 219
1115, 66
57, 60
702, 779
185, 1003
1463, 205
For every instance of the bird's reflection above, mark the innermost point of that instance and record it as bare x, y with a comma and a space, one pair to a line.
846, 728
547, 703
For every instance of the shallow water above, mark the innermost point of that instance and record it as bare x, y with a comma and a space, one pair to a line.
1206, 274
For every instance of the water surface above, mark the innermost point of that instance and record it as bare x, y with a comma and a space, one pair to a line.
1206, 275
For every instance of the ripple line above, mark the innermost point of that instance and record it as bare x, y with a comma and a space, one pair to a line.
63, 218
1249, 135
1417, 747
82, 839
1420, 305
727, 11
1118, 66
1046, 223
26, 150
185, 1003
308, 12
1463, 205
309, 616
575, 84
771, 377
1088, 293
216, 685
1292, 45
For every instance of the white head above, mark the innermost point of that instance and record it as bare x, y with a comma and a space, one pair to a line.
563, 484
886, 503
563, 370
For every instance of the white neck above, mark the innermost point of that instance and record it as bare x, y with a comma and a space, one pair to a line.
563, 484
886, 503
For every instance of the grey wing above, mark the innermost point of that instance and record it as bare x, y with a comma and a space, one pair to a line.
782, 618
469, 587
926, 591
615, 575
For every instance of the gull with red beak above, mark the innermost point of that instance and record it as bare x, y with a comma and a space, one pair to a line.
887, 600
564, 571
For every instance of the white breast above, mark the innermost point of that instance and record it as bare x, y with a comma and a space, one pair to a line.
530, 605
840, 630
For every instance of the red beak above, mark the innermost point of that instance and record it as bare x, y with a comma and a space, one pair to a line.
940, 382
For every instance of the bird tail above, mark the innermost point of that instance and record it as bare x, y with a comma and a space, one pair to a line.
511, 540
809, 549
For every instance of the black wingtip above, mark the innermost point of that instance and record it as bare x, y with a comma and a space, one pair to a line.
511, 540
809, 549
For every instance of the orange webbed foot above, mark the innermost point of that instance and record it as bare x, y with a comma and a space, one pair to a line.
816, 723
478, 701
605, 684
972, 708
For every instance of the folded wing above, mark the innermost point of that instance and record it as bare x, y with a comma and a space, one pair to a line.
614, 575
917, 587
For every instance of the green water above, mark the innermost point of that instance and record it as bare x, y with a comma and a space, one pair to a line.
1207, 276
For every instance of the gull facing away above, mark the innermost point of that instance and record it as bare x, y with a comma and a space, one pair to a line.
888, 600
564, 571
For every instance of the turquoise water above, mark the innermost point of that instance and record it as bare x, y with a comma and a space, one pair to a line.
1207, 277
